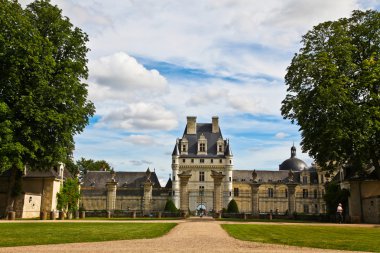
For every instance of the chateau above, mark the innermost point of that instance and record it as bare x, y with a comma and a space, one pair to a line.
204, 177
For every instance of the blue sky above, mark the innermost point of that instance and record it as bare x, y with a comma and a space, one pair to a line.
152, 63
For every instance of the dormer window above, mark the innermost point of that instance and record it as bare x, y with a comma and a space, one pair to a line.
202, 145
184, 146
220, 146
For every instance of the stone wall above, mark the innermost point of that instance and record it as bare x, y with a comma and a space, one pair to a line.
371, 209
28, 205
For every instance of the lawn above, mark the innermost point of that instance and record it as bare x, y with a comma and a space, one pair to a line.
325, 237
34, 233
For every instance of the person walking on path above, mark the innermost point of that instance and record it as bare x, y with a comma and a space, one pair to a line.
339, 213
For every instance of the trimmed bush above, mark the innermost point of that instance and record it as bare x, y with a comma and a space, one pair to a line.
170, 207
232, 207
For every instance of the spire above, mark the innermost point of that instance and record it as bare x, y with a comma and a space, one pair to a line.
228, 149
293, 151
176, 149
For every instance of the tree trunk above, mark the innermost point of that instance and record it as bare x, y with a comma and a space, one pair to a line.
11, 193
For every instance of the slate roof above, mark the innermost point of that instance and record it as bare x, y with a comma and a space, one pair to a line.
99, 179
50, 173
212, 138
262, 176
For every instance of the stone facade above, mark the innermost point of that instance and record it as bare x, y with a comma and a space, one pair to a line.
200, 151
39, 191
203, 153
131, 191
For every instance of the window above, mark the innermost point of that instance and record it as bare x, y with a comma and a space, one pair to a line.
183, 148
286, 193
220, 148
201, 190
230, 161
306, 208
202, 160
315, 194
184, 160
173, 178
192, 160
230, 179
236, 192
304, 179
220, 160
270, 192
322, 179
202, 147
212, 160
230, 194
173, 161
305, 193
201, 176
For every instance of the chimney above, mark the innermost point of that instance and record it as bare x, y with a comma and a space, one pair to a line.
215, 124
191, 125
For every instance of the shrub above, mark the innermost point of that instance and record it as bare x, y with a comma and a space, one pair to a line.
232, 207
170, 207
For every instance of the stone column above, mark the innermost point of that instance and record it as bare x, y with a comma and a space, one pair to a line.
218, 177
148, 188
255, 199
291, 198
184, 194
111, 195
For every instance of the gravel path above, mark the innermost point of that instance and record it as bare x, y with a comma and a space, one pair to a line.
193, 235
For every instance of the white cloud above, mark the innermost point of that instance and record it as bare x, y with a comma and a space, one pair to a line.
139, 117
281, 135
122, 73
140, 139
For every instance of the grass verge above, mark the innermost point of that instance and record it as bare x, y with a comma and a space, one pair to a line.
324, 237
21, 234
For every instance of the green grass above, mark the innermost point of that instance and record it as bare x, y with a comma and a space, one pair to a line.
266, 220
132, 219
325, 237
20, 234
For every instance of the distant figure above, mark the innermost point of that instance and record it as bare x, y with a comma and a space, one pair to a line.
339, 213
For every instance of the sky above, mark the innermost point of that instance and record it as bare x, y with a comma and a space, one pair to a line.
153, 63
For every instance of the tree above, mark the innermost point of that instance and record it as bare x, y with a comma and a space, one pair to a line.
68, 197
232, 207
43, 101
333, 92
85, 165
334, 195
170, 207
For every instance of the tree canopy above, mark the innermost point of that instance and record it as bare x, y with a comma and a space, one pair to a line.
333, 92
43, 101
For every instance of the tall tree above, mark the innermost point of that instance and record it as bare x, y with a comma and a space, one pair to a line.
43, 101
333, 92
85, 165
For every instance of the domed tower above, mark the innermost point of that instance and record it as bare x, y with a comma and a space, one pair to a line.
293, 163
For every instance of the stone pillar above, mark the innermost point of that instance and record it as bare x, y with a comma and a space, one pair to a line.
291, 198
111, 195
255, 199
184, 194
148, 187
217, 202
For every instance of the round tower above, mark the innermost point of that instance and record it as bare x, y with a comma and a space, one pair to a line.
175, 179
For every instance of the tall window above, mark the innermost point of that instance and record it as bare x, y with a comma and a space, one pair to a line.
305, 194
202, 160
220, 148
202, 147
304, 179
183, 148
306, 208
201, 176
236, 192
315, 194
286, 193
270, 192
201, 190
